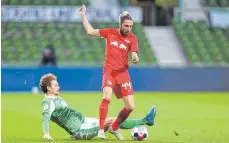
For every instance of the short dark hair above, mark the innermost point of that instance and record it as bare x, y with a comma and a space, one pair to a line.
45, 81
124, 16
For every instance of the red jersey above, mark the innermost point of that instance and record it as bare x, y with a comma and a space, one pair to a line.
117, 48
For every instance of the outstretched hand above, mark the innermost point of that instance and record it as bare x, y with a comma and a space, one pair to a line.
135, 58
48, 137
82, 9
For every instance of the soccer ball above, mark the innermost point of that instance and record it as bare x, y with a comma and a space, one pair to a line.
139, 133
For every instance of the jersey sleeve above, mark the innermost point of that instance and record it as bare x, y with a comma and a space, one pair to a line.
134, 45
104, 32
48, 108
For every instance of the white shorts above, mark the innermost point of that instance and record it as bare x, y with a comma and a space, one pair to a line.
89, 123
89, 129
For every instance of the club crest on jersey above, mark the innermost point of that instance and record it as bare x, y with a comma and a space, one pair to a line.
122, 46
109, 82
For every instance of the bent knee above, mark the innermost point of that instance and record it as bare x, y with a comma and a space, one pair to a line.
107, 93
130, 107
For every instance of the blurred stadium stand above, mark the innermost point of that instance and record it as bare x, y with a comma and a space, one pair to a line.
45, 2
200, 27
73, 45
70, 40
203, 44
216, 3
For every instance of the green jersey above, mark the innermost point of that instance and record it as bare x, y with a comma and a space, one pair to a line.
56, 109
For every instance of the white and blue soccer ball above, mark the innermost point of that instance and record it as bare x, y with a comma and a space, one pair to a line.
139, 133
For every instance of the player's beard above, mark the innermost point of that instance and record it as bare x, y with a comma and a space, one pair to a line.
123, 32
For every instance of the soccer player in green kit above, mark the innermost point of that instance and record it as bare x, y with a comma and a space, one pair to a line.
76, 124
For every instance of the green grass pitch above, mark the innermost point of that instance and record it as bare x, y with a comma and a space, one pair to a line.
181, 117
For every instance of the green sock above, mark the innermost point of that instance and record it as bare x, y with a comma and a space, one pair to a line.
129, 124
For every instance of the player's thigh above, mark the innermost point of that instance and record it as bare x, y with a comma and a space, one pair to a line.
107, 85
108, 79
107, 92
89, 120
129, 101
88, 129
123, 85
122, 90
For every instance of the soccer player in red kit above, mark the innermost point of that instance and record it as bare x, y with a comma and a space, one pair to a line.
119, 43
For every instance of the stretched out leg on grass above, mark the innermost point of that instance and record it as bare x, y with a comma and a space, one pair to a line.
90, 127
149, 120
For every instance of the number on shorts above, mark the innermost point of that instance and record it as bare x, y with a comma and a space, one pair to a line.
126, 85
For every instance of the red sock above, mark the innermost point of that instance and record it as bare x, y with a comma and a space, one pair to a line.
103, 109
122, 116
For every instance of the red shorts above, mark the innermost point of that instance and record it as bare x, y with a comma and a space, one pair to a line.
119, 81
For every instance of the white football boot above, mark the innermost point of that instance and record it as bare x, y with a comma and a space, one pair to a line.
116, 133
101, 134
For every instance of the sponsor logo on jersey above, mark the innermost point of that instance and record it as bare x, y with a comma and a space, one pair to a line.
114, 43
122, 46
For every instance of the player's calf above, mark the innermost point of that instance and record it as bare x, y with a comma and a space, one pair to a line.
122, 116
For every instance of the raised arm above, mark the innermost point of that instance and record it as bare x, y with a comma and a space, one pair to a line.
89, 29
